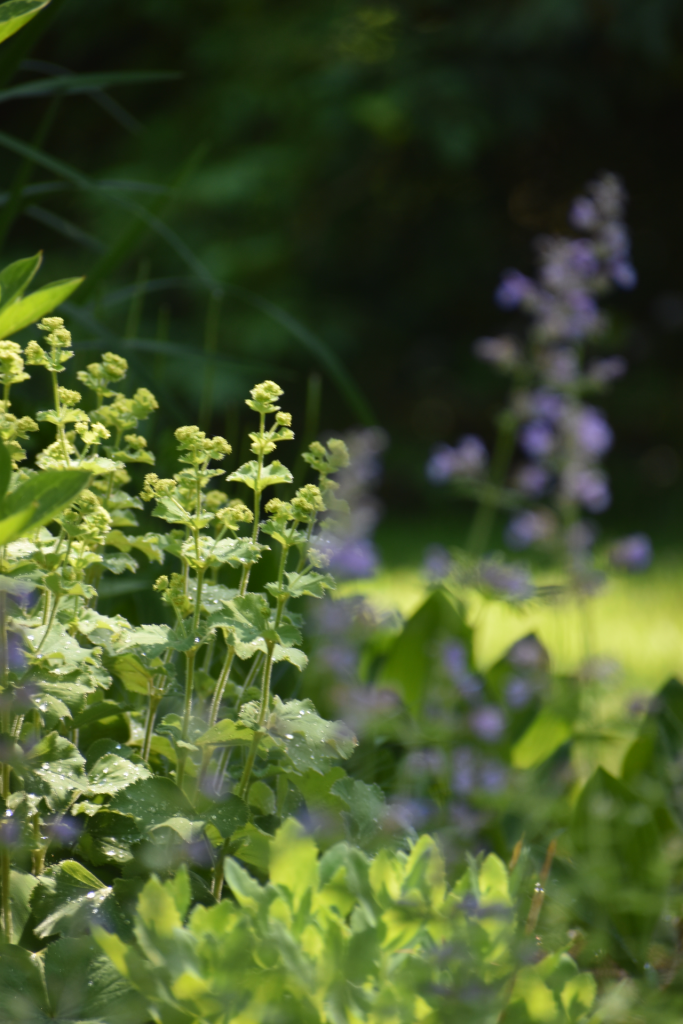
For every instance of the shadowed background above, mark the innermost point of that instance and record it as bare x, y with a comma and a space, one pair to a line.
326, 195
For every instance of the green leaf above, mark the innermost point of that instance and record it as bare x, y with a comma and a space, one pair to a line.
225, 732
39, 500
21, 887
133, 674
311, 742
5, 470
108, 837
412, 661
186, 829
619, 864
152, 801
310, 584
83, 985
96, 712
262, 797
112, 773
16, 277
545, 735
65, 899
227, 816
30, 309
15, 14
53, 768
22, 993
272, 474
366, 808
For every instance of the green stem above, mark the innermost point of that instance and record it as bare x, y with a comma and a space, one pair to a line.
61, 435
485, 515
6, 905
187, 712
220, 685
154, 701
265, 703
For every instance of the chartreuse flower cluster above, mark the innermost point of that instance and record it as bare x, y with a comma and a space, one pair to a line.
130, 748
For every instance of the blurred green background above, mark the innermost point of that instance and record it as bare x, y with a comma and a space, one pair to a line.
369, 169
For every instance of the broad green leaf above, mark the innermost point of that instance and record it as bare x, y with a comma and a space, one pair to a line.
225, 732
294, 860
66, 898
311, 742
227, 815
366, 808
545, 735
22, 993
133, 674
96, 712
16, 277
157, 910
108, 837
618, 856
274, 473
111, 773
152, 801
186, 829
14, 15
21, 886
291, 654
43, 496
53, 768
84, 985
254, 846
38, 304
262, 797
310, 584
412, 660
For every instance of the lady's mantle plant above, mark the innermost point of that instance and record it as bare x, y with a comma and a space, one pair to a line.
130, 748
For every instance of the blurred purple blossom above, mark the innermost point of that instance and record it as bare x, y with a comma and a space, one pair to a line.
464, 771
532, 479
492, 776
509, 580
588, 487
537, 438
455, 661
604, 371
437, 563
341, 658
515, 289
583, 214
633, 553
354, 559
518, 692
487, 723
468, 458
502, 352
591, 431
528, 653
529, 527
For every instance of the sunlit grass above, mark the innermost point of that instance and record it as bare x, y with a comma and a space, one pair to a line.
634, 625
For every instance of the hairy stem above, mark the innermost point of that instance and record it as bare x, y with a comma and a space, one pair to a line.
485, 515
265, 703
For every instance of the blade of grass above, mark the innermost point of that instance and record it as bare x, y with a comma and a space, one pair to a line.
13, 207
80, 84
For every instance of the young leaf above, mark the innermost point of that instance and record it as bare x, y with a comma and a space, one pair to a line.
274, 473
111, 773
39, 500
65, 898
15, 14
16, 277
30, 309
310, 584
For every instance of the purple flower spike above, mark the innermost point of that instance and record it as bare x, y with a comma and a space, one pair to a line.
590, 488
467, 458
487, 723
537, 438
532, 480
529, 528
514, 290
584, 214
633, 553
592, 432
624, 275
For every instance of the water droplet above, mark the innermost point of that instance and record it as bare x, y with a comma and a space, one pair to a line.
90, 895
45, 766
289, 736
8, 813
